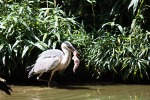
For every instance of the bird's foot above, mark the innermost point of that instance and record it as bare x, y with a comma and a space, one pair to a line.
52, 84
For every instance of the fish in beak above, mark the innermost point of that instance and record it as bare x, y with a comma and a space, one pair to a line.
76, 60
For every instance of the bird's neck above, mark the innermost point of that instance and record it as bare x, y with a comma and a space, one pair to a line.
66, 58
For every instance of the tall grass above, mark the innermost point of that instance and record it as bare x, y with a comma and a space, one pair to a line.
112, 36
120, 49
27, 30
126, 55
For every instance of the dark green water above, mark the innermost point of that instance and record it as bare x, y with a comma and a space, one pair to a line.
85, 92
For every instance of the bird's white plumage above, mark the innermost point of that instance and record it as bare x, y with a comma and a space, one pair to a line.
47, 60
50, 54
53, 60
46, 64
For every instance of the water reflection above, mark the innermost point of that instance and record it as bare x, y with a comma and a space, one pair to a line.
84, 92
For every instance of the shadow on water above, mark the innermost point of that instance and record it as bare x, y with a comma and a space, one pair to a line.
78, 85
73, 87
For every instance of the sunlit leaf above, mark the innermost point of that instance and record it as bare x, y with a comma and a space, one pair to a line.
9, 30
56, 21
41, 45
25, 24
46, 12
21, 10
133, 24
54, 45
9, 49
133, 3
1, 1
2, 27
91, 1
44, 37
120, 28
1, 47
25, 51
4, 60
29, 9
16, 43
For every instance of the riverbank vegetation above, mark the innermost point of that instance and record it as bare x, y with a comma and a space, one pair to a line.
113, 37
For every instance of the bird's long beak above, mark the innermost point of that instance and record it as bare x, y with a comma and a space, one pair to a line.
72, 49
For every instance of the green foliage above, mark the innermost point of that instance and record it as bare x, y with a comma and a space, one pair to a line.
122, 54
81, 40
112, 36
26, 30
121, 49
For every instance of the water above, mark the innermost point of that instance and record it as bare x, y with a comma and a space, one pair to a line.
78, 92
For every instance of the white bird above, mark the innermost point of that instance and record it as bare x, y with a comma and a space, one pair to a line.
53, 60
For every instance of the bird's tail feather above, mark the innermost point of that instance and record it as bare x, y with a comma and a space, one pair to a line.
29, 67
31, 73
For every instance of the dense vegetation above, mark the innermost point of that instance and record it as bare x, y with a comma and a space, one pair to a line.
112, 36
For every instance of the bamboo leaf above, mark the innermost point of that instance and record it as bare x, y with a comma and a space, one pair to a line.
1, 1
41, 45
16, 43
120, 28
26, 48
15, 19
139, 65
1, 47
29, 9
57, 35
9, 30
2, 27
25, 24
3, 59
9, 49
20, 10
133, 24
46, 12
133, 3
108, 23
54, 44
45, 36
56, 21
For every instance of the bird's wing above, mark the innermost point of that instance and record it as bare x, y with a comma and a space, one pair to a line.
46, 61
50, 54
46, 64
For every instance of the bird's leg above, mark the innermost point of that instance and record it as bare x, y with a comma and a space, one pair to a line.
38, 78
52, 73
